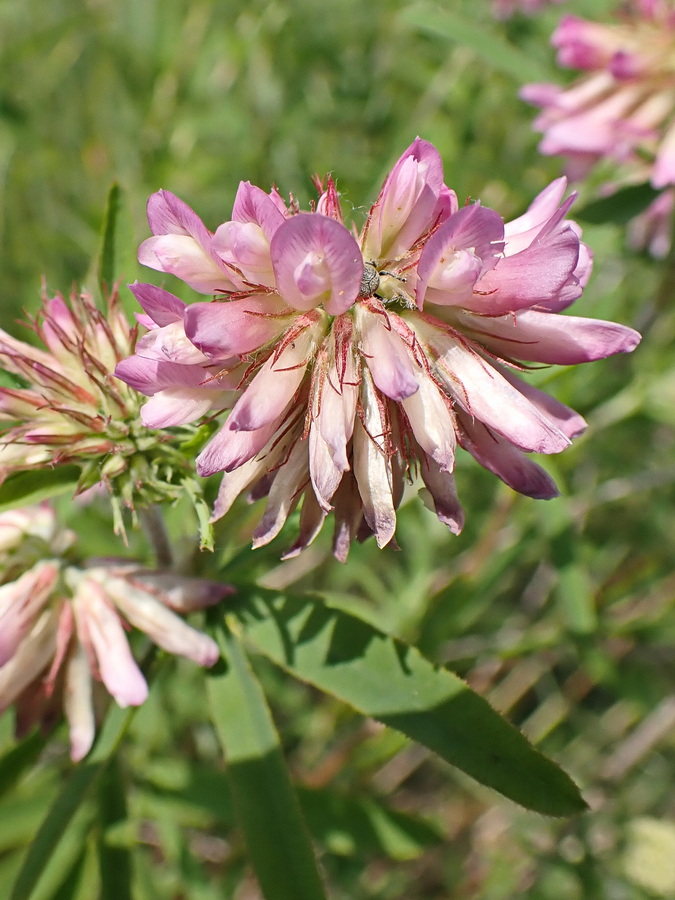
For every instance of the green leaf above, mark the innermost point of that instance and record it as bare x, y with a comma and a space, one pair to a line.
25, 488
114, 861
486, 43
265, 802
19, 758
117, 249
384, 678
70, 799
619, 207
362, 826
106, 258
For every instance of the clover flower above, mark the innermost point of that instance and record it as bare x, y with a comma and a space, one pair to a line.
63, 406
624, 108
351, 363
63, 625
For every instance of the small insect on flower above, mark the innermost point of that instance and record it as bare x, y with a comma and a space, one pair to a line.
350, 365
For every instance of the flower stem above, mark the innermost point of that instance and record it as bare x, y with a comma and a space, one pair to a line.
155, 529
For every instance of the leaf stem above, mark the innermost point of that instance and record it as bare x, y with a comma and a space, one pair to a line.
155, 528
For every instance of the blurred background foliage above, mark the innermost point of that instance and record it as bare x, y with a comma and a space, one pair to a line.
560, 613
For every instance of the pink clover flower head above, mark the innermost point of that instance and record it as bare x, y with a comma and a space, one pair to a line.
63, 627
60, 403
623, 108
361, 360
504, 9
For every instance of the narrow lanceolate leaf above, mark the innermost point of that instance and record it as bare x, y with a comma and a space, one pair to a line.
25, 488
68, 802
106, 259
265, 802
486, 43
114, 861
392, 682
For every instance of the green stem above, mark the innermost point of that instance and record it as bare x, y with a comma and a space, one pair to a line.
154, 527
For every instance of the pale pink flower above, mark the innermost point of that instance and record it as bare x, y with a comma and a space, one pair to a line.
351, 362
623, 109
63, 627
65, 406
504, 9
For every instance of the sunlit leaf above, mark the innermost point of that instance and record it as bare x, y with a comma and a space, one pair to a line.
69, 800
25, 488
265, 802
392, 682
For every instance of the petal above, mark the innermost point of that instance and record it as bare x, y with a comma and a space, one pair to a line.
21, 602
78, 704
386, 355
520, 232
441, 486
236, 327
152, 617
170, 343
162, 307
486, 395
229, 449
311, 520
182, 256
565, 419
474, 228
253, 205
372, 468
432, 423
316, 260
550, 338
532, 276
275, 384
178, 406
99, 628
284, 495
407, 203
506, 461
167, 214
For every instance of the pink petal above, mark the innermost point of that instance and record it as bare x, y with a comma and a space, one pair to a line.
387, 357
316, 260
99, 628
432, 423
229, 449
407, 203
236, 327
531, 276
442, 265
178, 406
284, 495
485, 395
162, 307
441, 486
372, 468
506, 461
182, 256
253, 205
550, 338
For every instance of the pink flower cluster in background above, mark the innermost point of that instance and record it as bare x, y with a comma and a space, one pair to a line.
624, 107
352, 362
63, 626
